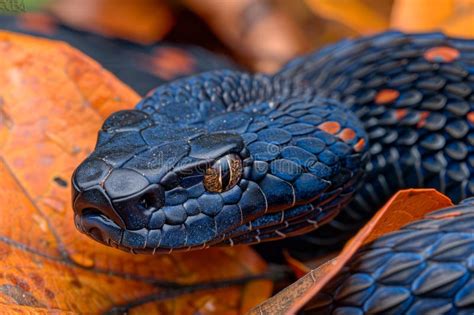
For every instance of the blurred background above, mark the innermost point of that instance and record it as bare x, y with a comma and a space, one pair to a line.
258, 35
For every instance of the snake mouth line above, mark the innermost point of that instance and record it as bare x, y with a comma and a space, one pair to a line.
96, 225
105, 231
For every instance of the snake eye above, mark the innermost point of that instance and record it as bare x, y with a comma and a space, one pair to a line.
224, 174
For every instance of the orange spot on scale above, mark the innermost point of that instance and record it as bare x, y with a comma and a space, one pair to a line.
347, 134
470, 117
359, 146
331, 127
441, 54
400, 113
386, 96
422, 121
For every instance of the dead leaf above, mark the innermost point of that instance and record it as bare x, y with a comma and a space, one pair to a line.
455, 17
355, 14
142, 21
404, 207
53, 100
242, 24
299, 268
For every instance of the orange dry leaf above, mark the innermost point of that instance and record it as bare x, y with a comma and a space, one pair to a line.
455, 17
53, 100
299, 268
355, 14
143, 21
406, 206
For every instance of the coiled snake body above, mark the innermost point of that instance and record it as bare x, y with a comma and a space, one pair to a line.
227, 157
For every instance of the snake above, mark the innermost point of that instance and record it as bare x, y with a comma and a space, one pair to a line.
426, 267
228, 157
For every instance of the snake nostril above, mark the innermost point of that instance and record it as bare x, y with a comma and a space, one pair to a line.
150, 201
144, 203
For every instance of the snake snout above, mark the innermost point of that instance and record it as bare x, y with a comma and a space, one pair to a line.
108, 201
95, 215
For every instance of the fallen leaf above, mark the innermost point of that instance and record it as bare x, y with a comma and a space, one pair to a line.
355, 14
298, 267
53, 100
455, 17
142, 21
404, 207
252, 21
140, 67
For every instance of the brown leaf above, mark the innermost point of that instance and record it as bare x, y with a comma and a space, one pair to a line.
355, 14
404, 207
53, 100
259, 31
301, 268
455, 17
298, 267
142, 21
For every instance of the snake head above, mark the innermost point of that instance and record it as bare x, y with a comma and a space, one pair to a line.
218, 160
151, 186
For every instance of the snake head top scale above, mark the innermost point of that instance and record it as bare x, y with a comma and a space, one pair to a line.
218, 159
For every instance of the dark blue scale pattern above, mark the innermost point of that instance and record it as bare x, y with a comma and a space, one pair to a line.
427, 266
423, 138
142, 188
289, 162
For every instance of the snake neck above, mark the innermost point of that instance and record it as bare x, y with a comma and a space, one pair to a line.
414, 95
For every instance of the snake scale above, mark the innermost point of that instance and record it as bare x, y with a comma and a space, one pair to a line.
426, 267
227, 157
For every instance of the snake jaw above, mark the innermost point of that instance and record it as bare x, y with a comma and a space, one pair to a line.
99, 227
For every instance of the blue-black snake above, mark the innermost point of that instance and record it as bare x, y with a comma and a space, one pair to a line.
227, 157
285, 152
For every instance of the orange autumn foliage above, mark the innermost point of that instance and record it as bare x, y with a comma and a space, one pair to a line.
356, 14
53, 100
142, 21
454, 17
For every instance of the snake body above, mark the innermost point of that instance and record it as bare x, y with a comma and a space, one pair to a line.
415, 96
427, 267
228, 157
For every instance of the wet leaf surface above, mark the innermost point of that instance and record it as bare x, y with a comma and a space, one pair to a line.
53, 100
